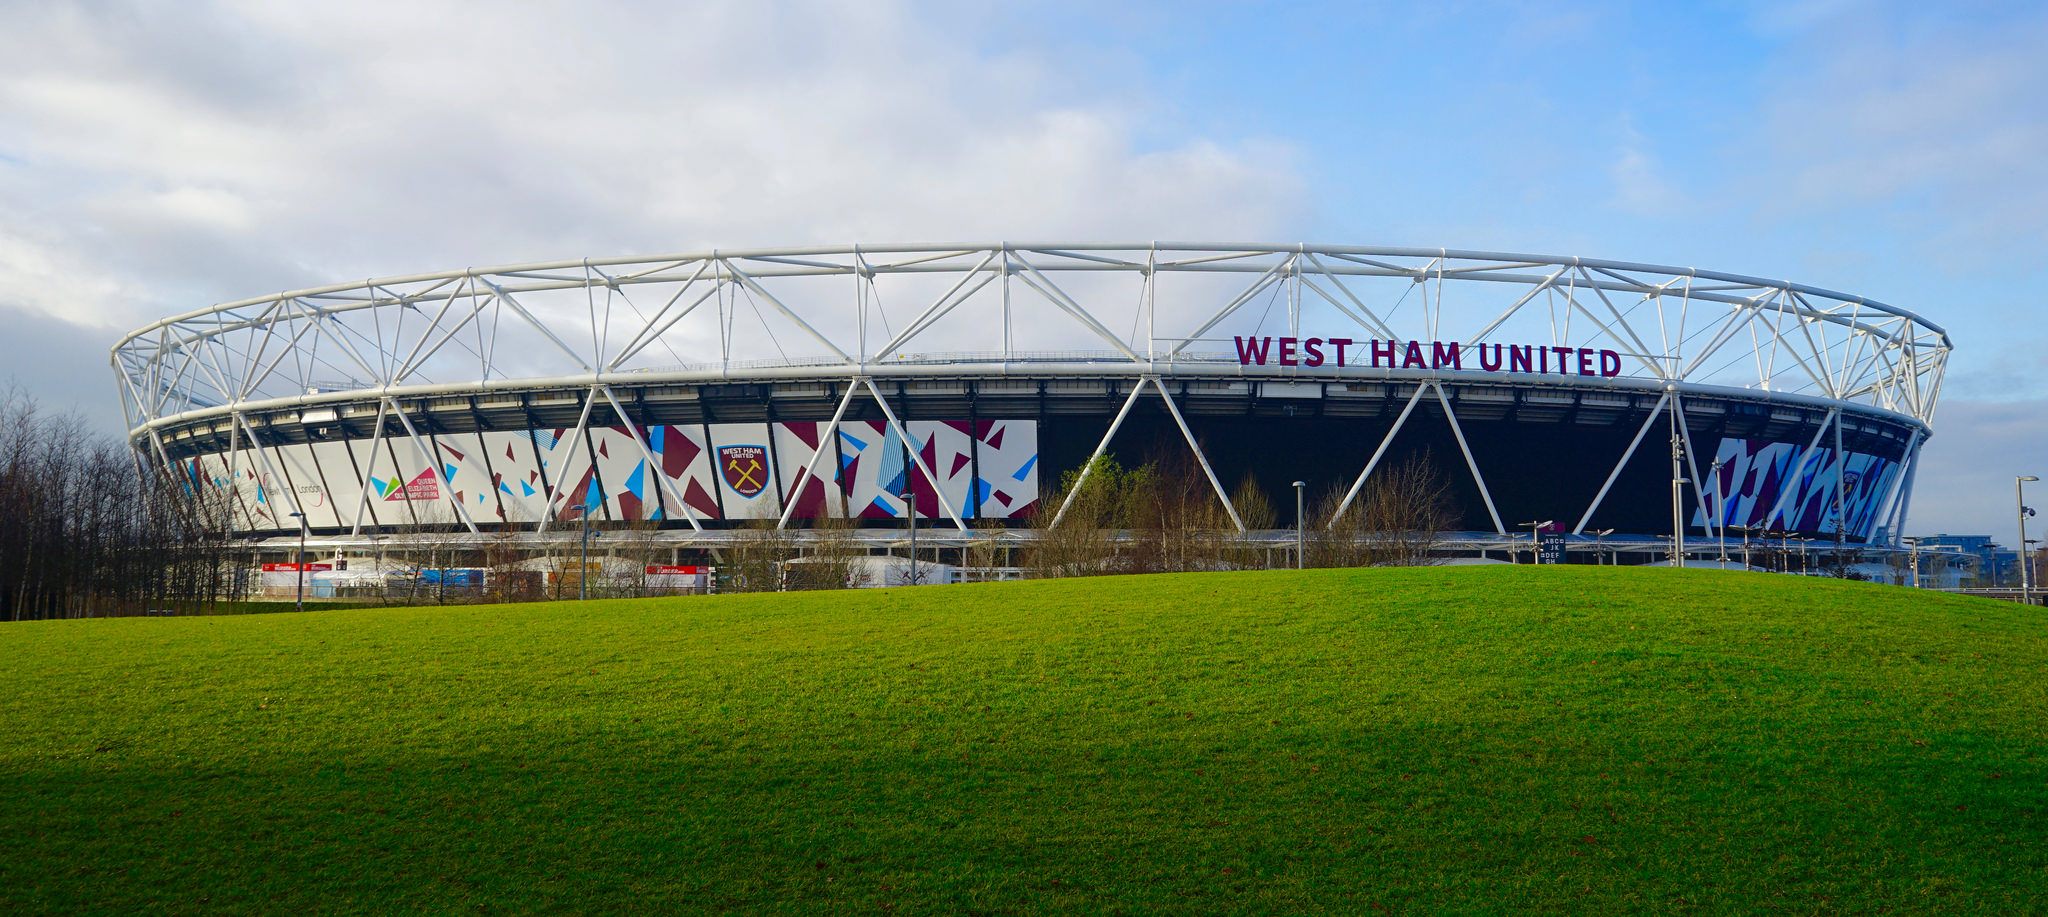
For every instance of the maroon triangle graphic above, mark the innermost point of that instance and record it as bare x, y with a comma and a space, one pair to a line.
700, 500
960, 461
806, 433
996, 441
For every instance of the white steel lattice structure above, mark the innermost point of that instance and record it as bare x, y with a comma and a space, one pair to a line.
603, 365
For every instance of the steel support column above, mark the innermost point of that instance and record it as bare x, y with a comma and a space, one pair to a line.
1626, 454
1088, 467
811, 468
1470, 462
653, 464
1374, 462
1196, 448
911, 445
575, 451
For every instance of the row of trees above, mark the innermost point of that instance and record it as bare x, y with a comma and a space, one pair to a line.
1164, 517
89, 531
84, 532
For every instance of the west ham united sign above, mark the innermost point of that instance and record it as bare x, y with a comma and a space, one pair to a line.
745, 469
1511, 358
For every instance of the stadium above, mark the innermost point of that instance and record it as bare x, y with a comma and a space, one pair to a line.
692, 395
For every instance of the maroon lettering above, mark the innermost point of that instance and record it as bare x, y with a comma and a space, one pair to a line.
1442, 355
1610, 364
1585, 362
1378, 353
1564, 359
1489, 360
1518, 359
1412, 357
1253, 350
1312, 352
1287, 352
1340, 344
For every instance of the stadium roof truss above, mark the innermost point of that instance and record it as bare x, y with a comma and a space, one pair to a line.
1148, 312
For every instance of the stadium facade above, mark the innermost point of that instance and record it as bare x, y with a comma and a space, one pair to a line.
685, 394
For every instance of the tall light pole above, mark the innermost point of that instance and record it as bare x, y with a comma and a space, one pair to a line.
1536, 539
910, 510
1300, 533
1720, 512
1677, 492
1599, 553
1913, 546
1745, 530
2019, 496
582, 576
301, 565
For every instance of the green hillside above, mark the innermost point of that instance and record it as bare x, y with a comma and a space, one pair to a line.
1478, 739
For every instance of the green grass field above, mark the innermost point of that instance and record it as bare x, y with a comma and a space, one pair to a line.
1571, 739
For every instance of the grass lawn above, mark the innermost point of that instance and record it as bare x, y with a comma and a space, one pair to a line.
1563, 739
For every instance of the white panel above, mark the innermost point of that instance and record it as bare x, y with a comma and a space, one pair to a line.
1009, 467
793, 449
469, 474
631, 490
296, 462
948, 451
876, 472
260, 493
344, 485
686, 462
567, 480
518, 476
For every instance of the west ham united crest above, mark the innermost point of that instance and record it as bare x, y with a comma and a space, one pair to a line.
745, 469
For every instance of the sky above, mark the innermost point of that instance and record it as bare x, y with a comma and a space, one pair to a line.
156, 158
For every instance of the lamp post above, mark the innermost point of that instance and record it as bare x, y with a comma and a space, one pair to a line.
1300, 533
583, 572
1720, 512
301, 565
1599, 553
1677, 492
1913, 551
910, 510
1536, 539
2019, 497
1745, 530
2027, 557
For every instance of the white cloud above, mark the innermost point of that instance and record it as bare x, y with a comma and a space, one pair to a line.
170, 157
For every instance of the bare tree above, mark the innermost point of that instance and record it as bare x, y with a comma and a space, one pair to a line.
1396, 520
1107, 502
755, 558
93, 529
833, 560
